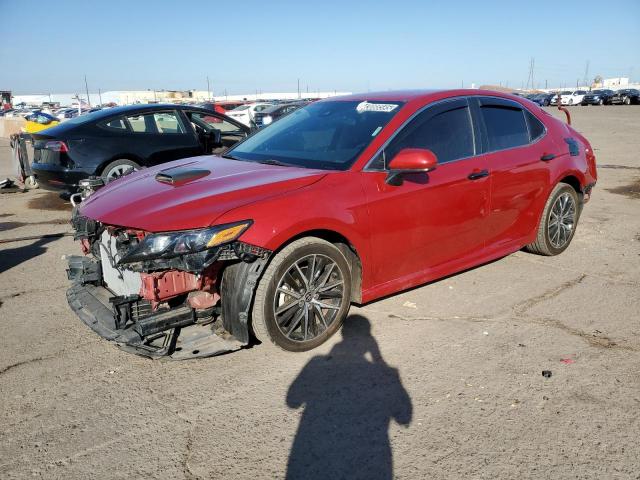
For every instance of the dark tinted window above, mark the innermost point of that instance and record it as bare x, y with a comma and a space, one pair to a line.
506, 126
116, 123
447, 133
536, 128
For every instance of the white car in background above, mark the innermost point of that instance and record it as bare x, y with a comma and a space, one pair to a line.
245, 113
573, 98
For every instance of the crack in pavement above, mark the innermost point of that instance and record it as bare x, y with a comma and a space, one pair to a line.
59, 353
595, 340
188, 473
24, 362
522, 307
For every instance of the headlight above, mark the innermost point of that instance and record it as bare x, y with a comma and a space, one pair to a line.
267, 119
173, 244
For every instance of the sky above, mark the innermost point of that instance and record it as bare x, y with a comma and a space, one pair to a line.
48, 46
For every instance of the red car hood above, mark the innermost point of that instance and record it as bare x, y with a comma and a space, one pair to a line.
140, 201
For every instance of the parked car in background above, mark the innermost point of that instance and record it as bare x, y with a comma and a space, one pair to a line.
112, 142
598, 97
275, 112
626, 96
345, 200
222, 106
37, 122
572, 98
557, 95
246, 113
541, 99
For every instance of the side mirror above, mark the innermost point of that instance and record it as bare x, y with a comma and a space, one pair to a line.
410, 160
215, 136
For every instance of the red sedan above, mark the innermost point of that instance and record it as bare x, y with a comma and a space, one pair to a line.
344, 201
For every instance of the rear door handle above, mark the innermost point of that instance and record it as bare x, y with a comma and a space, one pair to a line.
477, 175
547, 156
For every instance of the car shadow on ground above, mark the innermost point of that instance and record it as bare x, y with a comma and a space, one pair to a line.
12, 257
349, 398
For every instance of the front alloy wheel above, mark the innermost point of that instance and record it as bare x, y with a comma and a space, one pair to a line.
303, 296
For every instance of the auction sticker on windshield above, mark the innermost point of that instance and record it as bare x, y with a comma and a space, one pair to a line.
376, 107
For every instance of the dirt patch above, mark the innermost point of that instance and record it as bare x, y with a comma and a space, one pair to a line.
5, 215
4, 226
632, 190
49, 201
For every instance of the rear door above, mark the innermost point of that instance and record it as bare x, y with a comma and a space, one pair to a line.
161, 136
431, 219
517, 151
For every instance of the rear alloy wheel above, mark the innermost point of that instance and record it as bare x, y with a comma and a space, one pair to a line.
558, 223
626, 100
303, 296
118, 168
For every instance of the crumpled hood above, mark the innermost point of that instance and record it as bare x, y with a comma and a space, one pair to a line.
140, 201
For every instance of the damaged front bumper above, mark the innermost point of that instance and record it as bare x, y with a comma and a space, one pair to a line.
168, 313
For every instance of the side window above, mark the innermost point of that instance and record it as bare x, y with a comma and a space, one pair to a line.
115, 124
157, 122
536, 128
447, 132
213, 122
506, 126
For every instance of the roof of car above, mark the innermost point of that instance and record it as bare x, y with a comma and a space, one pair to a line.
420, 95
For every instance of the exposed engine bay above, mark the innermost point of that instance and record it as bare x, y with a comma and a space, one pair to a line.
160, 295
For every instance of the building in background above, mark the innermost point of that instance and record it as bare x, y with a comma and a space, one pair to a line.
129, 97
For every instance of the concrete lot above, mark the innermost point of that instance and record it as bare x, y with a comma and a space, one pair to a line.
457, 394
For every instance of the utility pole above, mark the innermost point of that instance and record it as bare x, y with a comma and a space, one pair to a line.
298, 89
586, 74
208, 89
532, 63
545, 84
100, 96
87, 90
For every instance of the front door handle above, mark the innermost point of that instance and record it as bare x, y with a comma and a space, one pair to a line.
477, 175
547, 156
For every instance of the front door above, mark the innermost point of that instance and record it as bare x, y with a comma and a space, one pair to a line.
433, 218
161, 136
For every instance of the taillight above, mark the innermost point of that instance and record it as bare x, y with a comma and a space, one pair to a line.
56, 146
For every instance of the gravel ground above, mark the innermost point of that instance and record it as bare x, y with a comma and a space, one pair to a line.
442, 381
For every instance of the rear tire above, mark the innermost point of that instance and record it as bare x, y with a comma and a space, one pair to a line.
626, 100
558, 223
118, 168
303, 297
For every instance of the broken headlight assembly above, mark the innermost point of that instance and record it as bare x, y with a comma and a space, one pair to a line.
169, 245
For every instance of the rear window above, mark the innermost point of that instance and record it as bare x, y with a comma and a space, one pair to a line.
536, 127
115, 124
506, 126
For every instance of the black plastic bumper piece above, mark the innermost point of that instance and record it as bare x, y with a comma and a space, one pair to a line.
176, 335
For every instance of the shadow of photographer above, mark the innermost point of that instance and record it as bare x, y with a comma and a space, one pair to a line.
350, 397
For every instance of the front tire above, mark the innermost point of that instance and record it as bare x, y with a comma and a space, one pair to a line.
558, 223
303, 296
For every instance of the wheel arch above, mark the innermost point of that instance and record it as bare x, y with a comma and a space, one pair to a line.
122, 156
347, 248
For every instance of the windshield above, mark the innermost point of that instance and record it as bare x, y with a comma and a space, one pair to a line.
240, 108
326, 135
